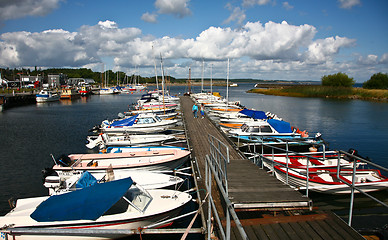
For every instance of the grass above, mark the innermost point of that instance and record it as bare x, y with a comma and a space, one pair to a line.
326, 92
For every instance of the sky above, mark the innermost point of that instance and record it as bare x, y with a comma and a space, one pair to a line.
263, 39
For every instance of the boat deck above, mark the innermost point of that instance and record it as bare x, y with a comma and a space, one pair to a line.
267, 208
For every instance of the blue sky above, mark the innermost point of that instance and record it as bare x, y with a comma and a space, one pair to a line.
264, 39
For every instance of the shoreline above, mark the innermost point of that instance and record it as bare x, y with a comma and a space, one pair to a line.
325, 92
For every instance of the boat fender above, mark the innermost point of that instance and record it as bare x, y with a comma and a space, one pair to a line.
305, 134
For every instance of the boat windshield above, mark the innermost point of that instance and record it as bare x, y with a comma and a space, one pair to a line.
244, 127
145, 120
158, 118
134, 199
266, 129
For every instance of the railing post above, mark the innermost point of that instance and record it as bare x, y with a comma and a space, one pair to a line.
287, 159
307, 177
208, 172
352, 192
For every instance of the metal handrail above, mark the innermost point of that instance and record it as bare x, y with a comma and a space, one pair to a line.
210, 169
355, 159
340, 153
216, 163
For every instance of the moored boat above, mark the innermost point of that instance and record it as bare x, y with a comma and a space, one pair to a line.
119, 204
69, 93
104, 140
85, 90
140, 123
82, 179
326, 180
156, 160
46, 95
321, 160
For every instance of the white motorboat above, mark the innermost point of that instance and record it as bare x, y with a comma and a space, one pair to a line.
155, 160
108, 91
119, 204
46, 95
81, 179
326, 180
140, 123
104, 140
257, 129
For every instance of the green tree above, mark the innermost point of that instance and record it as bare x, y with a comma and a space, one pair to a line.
377, 81
337, 80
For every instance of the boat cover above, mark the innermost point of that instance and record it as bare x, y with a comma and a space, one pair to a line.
254, 114
280, 126
125, 122
86, 180
86, 204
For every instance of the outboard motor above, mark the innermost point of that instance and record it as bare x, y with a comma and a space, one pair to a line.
95, 128
47, 172
355, 153
318, 136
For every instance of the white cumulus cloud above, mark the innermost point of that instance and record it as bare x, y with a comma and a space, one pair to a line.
323, 50
270, 48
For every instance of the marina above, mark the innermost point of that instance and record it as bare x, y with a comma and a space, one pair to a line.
269, 209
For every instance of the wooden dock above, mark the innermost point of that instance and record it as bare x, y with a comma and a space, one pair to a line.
267, 208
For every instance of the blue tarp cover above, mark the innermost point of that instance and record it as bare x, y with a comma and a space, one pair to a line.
280, 126
85, 204
86, 180
254, 114
125, 122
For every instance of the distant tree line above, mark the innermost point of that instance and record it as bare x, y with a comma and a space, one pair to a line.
111, 77
377, 81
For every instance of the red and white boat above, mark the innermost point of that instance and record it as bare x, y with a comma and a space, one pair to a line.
326, 180
322, 160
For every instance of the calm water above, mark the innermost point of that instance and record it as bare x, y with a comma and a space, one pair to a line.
29, 134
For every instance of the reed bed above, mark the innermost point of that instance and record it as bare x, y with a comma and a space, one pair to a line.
326, 92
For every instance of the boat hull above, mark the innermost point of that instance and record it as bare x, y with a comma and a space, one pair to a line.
147, 161
168, 205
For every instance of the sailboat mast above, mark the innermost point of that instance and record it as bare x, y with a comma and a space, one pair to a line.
161, 68
211, 79
227, 85
189, 80
156, 73
203, 68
